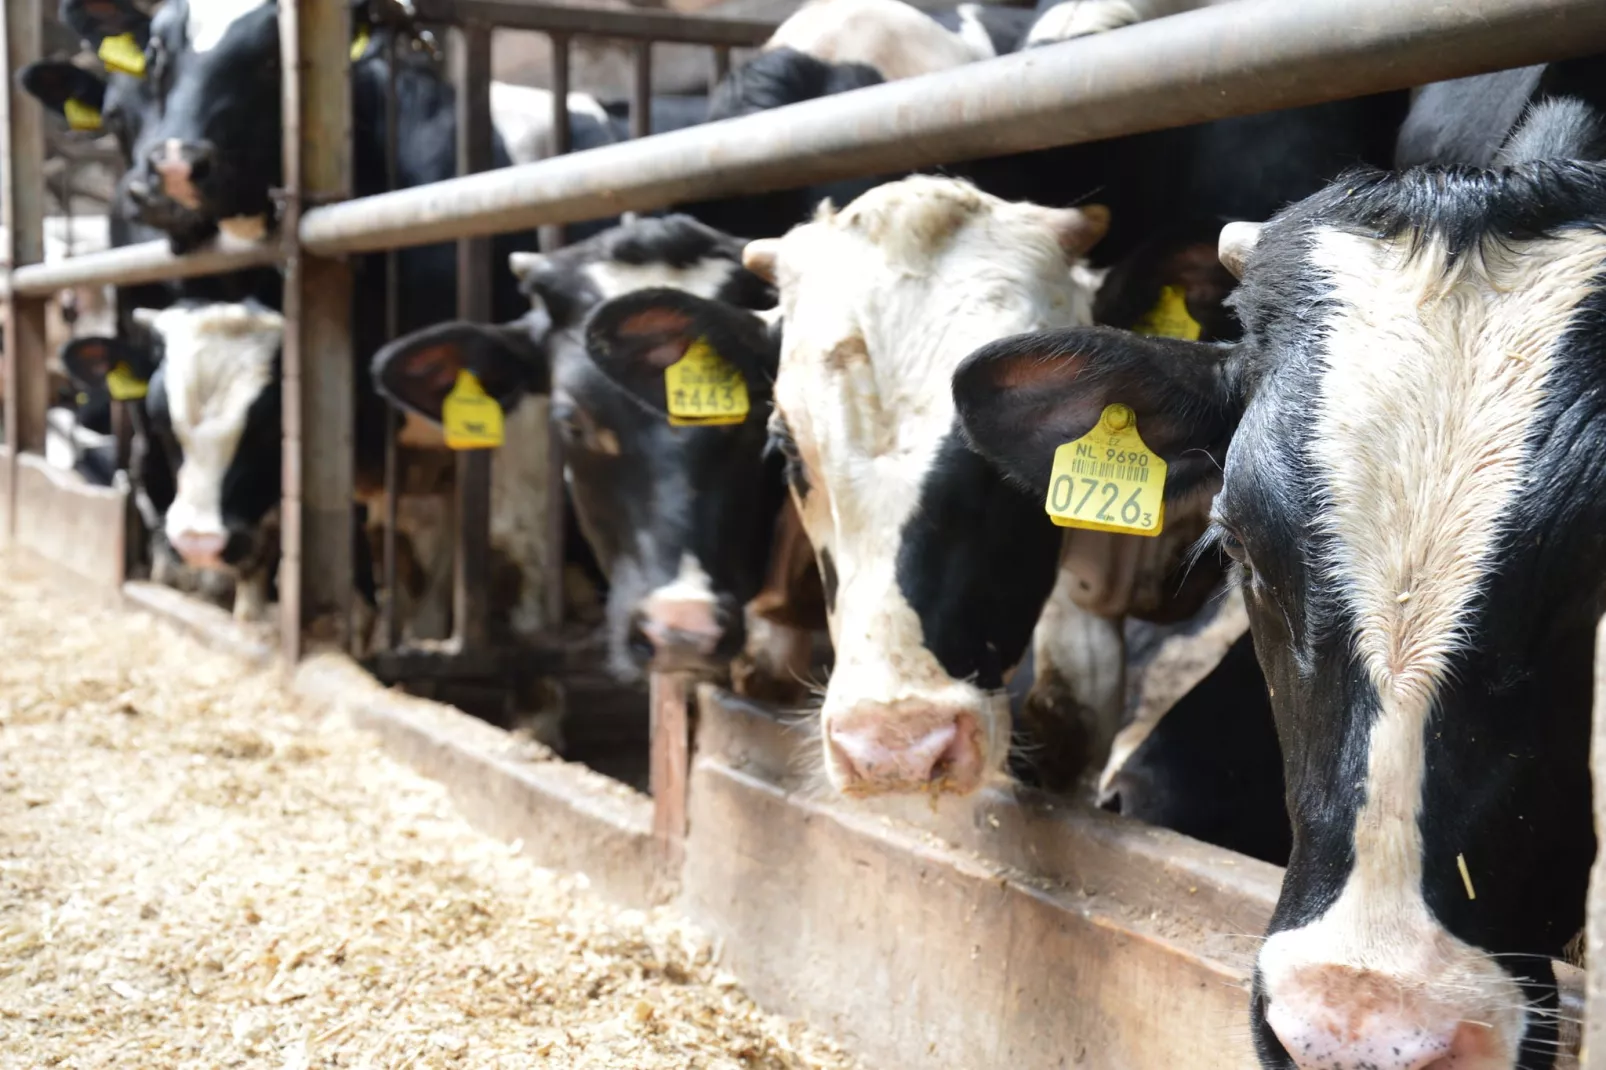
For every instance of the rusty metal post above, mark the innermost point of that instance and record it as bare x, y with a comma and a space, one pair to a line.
551, 239
23, 195
471, 54
315, 575
641, 91
669, 766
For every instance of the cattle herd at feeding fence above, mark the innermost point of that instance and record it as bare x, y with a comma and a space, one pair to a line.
1312, 394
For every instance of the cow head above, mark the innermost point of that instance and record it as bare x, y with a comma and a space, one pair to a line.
1415, 419
679, 517
214, 408
934, 569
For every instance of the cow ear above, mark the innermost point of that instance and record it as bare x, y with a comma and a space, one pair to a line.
1019, 399
636, 336
89, 360
418, 370
95, 20
57, 84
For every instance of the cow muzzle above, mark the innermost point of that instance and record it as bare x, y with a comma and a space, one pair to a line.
1338, 1017
684, 634
905, 747
200, 549
179, 166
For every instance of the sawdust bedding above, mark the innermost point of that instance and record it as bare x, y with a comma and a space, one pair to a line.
198, 871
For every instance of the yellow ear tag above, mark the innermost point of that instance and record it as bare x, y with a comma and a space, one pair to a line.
359, 44
81, 116
1169, 317
1108, 480
122, 385
471, 417
122, 54
703, 389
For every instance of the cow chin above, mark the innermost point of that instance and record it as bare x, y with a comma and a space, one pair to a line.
952, 742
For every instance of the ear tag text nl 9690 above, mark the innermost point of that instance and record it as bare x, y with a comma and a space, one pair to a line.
123, 385
1108, 480
471, 418
80, 116
703, 389
122, 54
1169, 317
359, 44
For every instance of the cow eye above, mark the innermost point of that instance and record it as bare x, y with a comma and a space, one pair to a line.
1232, 545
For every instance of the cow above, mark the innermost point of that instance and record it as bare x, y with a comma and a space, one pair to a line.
680, 518
932, 568
1404, 452
1063, 20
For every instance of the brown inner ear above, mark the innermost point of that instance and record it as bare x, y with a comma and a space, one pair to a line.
435, 367
1028, 370
92, 358
655, 321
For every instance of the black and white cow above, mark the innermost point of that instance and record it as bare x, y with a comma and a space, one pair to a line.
680, 518
1408, 445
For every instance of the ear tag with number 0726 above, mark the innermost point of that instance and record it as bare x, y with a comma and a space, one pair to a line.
123, 385
470, 417
703, 389
122, 54
1108, 480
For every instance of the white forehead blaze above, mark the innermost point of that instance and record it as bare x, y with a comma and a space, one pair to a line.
218, 359
1432, 375
889, 36
705, 277
880, 303
209, 20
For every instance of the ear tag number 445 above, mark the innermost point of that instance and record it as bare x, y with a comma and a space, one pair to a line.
470, 417
703, 389
1108, 480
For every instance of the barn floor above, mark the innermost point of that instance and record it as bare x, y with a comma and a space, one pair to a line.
198, 870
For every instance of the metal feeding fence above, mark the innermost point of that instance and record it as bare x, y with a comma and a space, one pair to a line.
1222, 60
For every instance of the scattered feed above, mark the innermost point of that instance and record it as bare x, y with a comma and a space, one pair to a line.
196, 870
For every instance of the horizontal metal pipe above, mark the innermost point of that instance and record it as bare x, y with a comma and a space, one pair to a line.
1232, 59
599, 22
149, 261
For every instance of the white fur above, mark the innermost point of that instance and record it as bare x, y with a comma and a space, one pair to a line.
691, 584
66, 440
522, 116
218, 360
1079, 18
896, 39
973, 33
1432, 376
705, 278
880, 304
209, 20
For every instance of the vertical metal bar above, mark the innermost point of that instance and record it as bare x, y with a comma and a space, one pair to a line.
1593, 1053
722, 63
22, 204
552, 235
390, 626
641, 91
669, 763
471, 583
318, 398
551, 239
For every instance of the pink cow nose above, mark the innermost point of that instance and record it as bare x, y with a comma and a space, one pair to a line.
200, 550
1342, 1018
877, 749
683, 633
177, 164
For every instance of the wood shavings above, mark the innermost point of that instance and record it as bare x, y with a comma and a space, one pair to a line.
199, 871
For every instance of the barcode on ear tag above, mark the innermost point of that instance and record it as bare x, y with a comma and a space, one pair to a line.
122, 54
703, 389
1108, 480
123, 385
470, 417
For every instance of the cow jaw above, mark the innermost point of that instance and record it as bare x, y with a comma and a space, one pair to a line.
880, 304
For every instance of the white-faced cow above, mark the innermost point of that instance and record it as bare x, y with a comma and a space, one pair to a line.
1408, 446
680, 518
